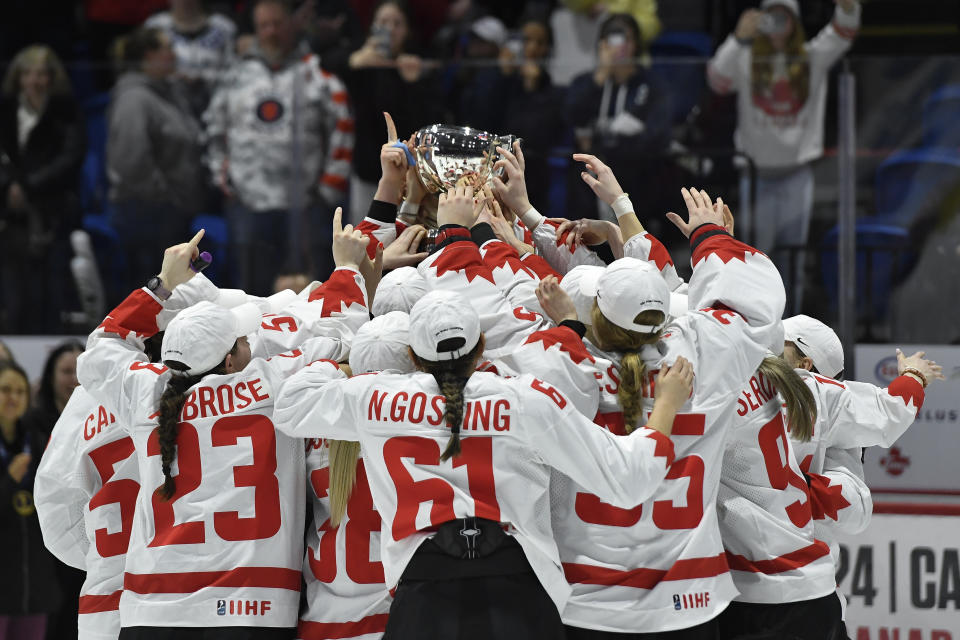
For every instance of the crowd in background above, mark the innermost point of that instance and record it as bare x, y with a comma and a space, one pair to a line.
268, 114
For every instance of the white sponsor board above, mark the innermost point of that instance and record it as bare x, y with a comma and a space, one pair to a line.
901, 578
925, 457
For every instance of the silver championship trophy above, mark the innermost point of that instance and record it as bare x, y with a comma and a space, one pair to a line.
448, 156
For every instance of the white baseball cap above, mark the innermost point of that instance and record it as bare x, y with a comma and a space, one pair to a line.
440, 316
790, 5
201, 336
628, 287
398, 291
817, 341
580, 284
381, 344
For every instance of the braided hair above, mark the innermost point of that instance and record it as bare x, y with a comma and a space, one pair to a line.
451, 377
171, 404
612, 337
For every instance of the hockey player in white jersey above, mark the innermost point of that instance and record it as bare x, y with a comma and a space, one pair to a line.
217, 537
784, 574
487, 488
660, 567
347, 597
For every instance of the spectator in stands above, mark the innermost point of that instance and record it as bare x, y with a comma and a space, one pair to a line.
41, 149
385, 74
576, 24
58, 381
202, 43
153, 154
781, 79
281, 141
29, 591
521, 100
620, 113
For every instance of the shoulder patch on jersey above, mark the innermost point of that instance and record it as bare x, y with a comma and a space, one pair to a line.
566, 339
462, 253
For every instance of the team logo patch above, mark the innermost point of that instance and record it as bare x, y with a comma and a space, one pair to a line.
221, 607
895, 462
682, 601
269, 110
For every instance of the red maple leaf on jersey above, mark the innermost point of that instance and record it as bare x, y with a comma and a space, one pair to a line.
137, 313
658, 253
338, 290
569, 342
498, 254
825, 499
463, 257
723, 246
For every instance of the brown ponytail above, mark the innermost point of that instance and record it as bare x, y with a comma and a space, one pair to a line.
343, 476
801, 406
612, 337
171, 404
451, 377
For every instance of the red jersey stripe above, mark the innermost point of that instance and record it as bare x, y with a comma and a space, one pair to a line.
685, 569
307, 630
786, 562
191, 581
99, 604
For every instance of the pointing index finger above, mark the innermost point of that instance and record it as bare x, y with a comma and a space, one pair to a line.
391, 127
338, 220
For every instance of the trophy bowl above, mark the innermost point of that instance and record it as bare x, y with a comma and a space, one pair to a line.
449, 156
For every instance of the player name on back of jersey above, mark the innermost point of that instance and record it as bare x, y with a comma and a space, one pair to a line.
418, 408
210, 402
96, 421
761, 392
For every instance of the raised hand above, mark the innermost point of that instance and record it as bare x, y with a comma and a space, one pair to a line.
700, 210
605, 185
456, 207
393, 166
554, 301
404, 251
513, 192
912, 365
175, 269
727, 217
349, 245
748, 24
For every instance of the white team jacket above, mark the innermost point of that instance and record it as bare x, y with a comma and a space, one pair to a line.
226, 550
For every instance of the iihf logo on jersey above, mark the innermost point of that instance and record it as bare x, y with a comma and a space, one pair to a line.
221, 607
691, 600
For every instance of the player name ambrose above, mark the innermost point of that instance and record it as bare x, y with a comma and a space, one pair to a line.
418, 408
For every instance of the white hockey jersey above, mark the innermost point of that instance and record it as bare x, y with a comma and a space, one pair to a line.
347, 595
227, 548
660, 565
850, 415
86, 491
514, 432
764, 507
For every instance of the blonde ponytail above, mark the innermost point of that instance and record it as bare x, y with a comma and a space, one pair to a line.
611, 337
801, 406
344, 456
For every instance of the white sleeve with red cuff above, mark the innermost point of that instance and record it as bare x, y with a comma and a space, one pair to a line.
644, 246
557, 254
857, 414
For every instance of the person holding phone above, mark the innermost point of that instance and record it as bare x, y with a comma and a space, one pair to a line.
781, 81
620, 113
